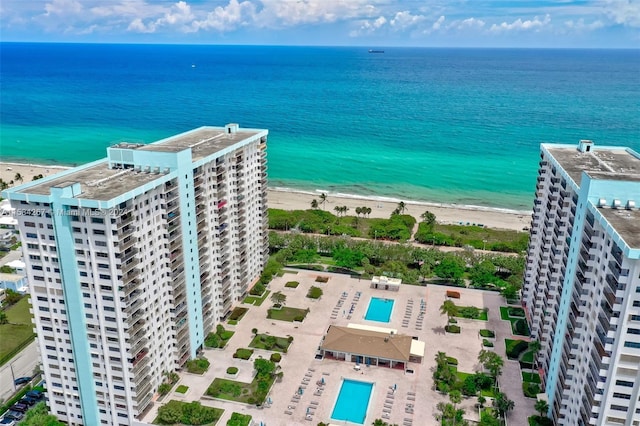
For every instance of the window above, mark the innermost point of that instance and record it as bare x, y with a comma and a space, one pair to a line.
31, 235
633, 331
621, 395
624, 383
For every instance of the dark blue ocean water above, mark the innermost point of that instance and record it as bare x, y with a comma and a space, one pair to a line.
443, 125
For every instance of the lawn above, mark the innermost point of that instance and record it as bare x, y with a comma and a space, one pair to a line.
18, 333
182, 389
255, 300
237, 314
528, 357
232, 390
287, 314
270, 343
515, 347
292, 284
530, 377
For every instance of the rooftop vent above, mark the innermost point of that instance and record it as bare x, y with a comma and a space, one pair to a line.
631, 204
616, 204
602, 202
585, 145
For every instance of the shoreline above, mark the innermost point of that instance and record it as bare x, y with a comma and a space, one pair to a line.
381, 207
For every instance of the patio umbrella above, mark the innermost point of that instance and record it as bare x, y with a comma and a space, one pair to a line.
308, 410
268, 401
322, 380
395, 387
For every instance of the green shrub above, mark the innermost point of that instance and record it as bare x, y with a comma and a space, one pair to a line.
238, 419
515, 347
298, 318
320, 279
470, 312
212, 341
540, 421
232, 370
257, 289
515, 311
520, 327
292, 284
487, 343
531, 390
192, 413
164, 388
452, 361
197, 366
243, 353
314, 292
276, 357
182, 389
452, 329
487, 333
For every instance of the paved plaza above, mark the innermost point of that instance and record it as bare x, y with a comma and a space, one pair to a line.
397, 397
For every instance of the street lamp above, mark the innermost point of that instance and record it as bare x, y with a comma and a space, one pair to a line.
375, 235
484, 244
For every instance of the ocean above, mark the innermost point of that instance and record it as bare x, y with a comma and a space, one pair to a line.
450, 126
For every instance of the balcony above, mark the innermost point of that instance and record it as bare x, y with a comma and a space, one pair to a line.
137, 326
129, 266
127, 243
124, 221
128, 254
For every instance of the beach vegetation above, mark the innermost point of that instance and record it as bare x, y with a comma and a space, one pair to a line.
323, 199
478, 237
314, 204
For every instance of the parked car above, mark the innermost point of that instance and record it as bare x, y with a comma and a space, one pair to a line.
19, 407
35, 394
21, 381
14, 415
6, 421
27, 401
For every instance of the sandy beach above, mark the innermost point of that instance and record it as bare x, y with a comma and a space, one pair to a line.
301, 200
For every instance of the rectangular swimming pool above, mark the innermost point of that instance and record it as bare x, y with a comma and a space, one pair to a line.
353, 401
379, 310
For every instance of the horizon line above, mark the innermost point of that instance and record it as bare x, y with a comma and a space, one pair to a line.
318, 45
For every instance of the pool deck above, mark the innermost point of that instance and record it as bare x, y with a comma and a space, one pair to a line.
301, 369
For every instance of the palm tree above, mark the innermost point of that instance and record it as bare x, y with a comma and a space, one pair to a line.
3, 184
542, 407
338, 209
345, 209
323, 199
402, 207
314, 204
503, 404
358, 211
535, 346
368, 210
441, 358
18, 177
449, 309
481, 401
455, 397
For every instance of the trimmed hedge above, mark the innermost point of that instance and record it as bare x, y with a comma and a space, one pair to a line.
454, 329
232, 370
487, 333
292, 284
530, 390
276, 357
243, 353
515, 347
487, 343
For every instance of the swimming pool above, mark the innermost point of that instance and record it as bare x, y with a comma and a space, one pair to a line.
379, 310
353, 401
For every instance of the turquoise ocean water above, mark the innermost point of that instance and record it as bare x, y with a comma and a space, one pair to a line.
442, 125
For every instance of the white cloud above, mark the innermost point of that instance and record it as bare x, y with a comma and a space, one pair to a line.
624, 12
179, 14
405, 19
436, 25
470, 23
369, 27
63, 8
580, 25
227, 18
520, 25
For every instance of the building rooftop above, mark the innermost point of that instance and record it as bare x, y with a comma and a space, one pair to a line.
599, 163
97, 182
626, 222
203, 141
11, 277
369, 343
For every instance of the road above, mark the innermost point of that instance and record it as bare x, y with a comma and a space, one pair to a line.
22, 365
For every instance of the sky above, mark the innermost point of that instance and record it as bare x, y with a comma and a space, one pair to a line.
373, 23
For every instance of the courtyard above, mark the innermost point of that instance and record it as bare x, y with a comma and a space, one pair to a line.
309, 388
